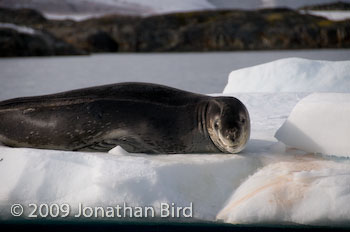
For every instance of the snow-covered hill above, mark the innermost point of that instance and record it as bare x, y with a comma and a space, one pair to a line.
81, 9
291, 75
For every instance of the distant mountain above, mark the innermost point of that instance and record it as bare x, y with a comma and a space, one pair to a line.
98, 7
329, 6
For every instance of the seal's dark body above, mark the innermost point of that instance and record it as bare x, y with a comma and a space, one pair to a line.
140, 117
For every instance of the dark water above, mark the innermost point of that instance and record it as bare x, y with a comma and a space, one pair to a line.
197, 72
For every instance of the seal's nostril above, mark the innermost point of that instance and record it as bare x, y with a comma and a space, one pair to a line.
231, 137
231, 134
233, 131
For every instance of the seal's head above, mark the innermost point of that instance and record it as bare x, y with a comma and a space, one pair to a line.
228, 124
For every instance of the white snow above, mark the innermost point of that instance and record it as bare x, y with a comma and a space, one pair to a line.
167, 6
18, 28
98, 179
319, 123
331, 15
292, 75
75, 17
266, 183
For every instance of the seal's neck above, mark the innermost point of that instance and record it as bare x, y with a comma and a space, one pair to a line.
202, 117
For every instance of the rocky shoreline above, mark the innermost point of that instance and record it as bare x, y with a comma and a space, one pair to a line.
226, 30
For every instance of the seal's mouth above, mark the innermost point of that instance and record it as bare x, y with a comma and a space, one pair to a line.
235, 149
232, 146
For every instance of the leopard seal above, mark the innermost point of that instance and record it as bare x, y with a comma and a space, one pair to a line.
139, 117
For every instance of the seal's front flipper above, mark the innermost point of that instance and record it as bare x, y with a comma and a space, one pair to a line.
108, 144
99, 146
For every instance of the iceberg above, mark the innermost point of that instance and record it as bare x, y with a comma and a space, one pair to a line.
268, 182
291, 75
319, 123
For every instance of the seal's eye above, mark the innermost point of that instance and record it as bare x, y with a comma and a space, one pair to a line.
243, 120
216, 125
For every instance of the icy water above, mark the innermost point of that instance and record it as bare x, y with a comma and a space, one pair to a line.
198, 72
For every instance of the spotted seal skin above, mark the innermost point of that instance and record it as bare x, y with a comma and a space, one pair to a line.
139, 117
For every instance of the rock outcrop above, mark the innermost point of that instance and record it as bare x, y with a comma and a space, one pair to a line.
17, 43
195, 31
19, 40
